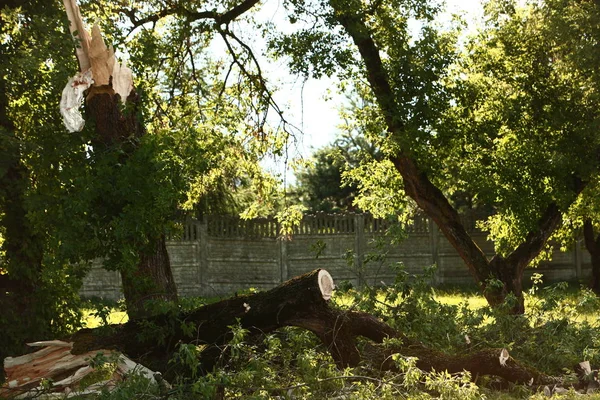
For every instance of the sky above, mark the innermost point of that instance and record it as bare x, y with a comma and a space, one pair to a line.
313, 105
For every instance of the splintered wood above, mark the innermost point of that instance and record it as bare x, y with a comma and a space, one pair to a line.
93, 54
98, 68
54, 370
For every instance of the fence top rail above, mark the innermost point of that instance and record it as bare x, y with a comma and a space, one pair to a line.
311, 224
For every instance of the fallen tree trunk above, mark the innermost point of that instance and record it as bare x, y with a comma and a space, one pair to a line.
300, 302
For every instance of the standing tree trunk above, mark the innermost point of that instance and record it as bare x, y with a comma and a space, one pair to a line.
592, 244
22, 264
112, 106
152, 280
417, 185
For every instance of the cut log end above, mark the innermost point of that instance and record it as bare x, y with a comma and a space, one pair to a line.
326, 284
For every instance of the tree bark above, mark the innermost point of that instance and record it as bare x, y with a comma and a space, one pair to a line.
301, 302
592, 244
430, 198
292, 303
151, 280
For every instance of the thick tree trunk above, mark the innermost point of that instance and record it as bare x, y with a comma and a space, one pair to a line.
301, 302
595, 279
592, 244
430, 198
22, 246
21, 317
153, 277
292, 303
151, 280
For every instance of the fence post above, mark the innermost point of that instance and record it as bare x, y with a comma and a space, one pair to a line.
202, 254
283, 259
359, 246
434, 240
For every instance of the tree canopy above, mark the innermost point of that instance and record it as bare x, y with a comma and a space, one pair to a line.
510, 115
198, 130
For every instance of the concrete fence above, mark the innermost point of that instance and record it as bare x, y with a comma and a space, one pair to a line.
221, 255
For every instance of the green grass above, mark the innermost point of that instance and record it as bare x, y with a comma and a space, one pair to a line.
474, 301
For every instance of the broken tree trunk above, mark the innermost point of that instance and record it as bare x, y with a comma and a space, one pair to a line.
112, 106
300, 302
62, 371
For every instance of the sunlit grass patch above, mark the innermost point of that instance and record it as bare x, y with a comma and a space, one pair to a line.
474, 301
92, 320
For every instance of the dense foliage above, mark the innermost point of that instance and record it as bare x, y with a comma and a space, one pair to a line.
39, 285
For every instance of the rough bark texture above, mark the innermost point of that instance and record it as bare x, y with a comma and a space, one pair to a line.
292, 303
153, 278
430, 198
592, 244
482, 362
298, 302
114, 126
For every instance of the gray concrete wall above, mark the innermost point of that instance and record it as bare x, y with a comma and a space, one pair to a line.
223, 255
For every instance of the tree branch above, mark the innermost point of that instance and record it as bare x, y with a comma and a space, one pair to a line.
536, 239
219, 18
256, 78
236, 11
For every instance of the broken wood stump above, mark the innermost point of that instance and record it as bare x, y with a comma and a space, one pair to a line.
54, 369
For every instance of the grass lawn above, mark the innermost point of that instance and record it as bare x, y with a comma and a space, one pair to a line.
451, 297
